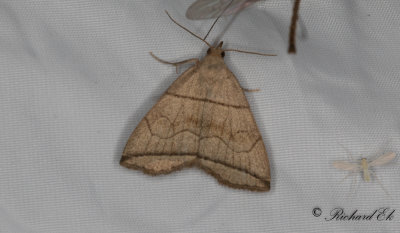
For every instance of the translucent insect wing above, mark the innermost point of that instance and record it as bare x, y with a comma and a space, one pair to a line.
383, 159
207, 9
343, 165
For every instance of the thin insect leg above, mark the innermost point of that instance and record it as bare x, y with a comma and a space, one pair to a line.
381, 184
176, 64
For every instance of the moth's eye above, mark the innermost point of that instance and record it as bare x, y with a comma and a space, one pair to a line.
223, 54
208, 51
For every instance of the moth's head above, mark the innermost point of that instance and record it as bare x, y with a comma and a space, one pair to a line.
364, 162
216, 51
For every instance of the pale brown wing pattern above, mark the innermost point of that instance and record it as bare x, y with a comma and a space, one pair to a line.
203, 119
237, 146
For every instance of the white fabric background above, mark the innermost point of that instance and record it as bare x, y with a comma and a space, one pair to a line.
76, 78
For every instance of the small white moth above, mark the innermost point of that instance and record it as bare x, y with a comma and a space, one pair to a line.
364, 166
207, 9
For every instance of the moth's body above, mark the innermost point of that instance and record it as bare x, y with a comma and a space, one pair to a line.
365, 169
203, 119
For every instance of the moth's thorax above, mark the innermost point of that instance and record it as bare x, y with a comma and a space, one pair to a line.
211, 61
364, 163
212, 70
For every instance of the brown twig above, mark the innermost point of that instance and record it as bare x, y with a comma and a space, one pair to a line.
292, 34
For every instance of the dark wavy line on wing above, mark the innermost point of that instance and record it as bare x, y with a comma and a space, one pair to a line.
201, 138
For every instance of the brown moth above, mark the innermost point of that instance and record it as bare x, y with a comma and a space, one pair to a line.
203, 120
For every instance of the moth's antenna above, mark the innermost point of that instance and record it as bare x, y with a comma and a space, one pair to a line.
173, 20
242, 51
292, 34
212, 26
